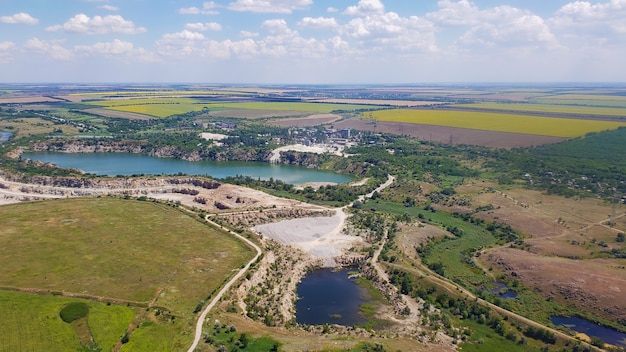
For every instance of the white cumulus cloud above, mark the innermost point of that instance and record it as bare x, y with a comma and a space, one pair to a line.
109, 7
248, 34
5, 52
319, 22
269, 6
51, 48
82, 23
587, 18
365, 8
202, 27
182, 43
189, 11
501, 26
117, 49
208, 8
19, 18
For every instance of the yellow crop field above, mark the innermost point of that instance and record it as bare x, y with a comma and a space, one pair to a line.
545, 108
158, 110
163, 107
158, 107
535, 125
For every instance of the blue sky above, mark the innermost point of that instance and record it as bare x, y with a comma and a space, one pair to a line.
312, 41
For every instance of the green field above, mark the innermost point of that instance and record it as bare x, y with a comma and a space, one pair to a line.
163, 107
448, 252
158, 107
32, 323
323, 108
545, 108
599, 100
128, 250
535, 125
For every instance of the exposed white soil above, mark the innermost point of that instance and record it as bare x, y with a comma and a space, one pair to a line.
322, 237
313, 148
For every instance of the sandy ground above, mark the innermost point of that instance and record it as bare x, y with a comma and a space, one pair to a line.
320, 236
314, 148
213, 136
230, 197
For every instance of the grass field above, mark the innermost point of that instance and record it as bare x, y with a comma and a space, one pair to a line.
32, 323
24, 127
599, 100
322, 108
163, 107
158, 107
546, 108
449, 252
534, 125
120, 249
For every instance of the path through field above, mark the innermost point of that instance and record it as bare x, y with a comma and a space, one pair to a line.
226, 287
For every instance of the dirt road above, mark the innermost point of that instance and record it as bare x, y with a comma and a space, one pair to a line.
202, 317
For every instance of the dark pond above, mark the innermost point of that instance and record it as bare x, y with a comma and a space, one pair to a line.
113, 164
502, 291
327, 296
4, 136
607, 335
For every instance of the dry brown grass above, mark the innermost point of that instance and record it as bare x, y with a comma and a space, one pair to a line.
594, 285
558, 229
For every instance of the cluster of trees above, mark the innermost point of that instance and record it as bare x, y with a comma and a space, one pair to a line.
591, 164
413, 159
540, 334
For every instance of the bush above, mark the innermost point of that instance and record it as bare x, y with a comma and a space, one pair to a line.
74, 311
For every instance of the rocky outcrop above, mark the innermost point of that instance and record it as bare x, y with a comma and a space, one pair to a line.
138, 147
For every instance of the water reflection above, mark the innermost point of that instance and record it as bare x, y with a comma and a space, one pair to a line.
329, 297
591, 329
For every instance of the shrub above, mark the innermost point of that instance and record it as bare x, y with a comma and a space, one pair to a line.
74, 311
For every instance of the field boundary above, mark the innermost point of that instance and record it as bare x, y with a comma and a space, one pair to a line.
101, 299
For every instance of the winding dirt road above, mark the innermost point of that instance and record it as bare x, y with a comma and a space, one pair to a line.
202, 317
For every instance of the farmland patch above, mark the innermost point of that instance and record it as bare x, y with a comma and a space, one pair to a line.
451, 135
311, 120
535, 125
548, 109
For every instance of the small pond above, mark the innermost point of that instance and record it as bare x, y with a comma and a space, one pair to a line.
329, 297
608, 335
4, 136
502, 291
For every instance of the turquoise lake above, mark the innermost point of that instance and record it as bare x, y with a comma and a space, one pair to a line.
126, 164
